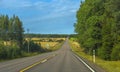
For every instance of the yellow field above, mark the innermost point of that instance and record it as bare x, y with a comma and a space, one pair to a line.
46, 43
54, 39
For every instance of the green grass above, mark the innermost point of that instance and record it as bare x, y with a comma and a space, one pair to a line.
109, 66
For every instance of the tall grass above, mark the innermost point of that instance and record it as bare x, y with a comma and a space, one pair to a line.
109, 66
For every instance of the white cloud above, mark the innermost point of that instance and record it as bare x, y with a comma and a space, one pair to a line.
60, 12
14, 4
59, 8
52, 9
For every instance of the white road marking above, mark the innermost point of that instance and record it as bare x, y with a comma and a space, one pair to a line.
39, 62
85, 63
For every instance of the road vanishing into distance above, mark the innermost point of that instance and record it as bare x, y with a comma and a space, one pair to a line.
62, 60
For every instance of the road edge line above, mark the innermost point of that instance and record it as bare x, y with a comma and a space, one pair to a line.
84, 63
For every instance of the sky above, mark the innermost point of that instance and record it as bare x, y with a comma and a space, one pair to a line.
43, 16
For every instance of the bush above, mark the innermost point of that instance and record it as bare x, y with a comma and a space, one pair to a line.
115, 55
9, 52
2, 52
33, 47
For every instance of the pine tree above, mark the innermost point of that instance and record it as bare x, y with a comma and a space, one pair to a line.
18, 30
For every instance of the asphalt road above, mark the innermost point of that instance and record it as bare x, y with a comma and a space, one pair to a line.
62, 60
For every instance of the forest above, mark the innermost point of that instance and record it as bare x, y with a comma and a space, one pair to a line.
46, 35
98, 28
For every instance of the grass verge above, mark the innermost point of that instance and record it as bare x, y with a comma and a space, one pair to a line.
109, 66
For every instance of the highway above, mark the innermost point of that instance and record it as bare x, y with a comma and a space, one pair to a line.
62, 60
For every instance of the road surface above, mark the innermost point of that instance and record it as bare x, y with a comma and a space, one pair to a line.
62, 60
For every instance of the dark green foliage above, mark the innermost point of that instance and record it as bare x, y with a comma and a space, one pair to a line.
7, 52
115, 55
11, 38
33, 47
19, 31
98, 27
11, 29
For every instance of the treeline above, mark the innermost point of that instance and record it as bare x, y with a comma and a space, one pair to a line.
98, 28
12, 42
46, 35
11, 29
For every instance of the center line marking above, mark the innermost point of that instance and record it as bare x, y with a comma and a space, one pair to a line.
43, 60
39, 62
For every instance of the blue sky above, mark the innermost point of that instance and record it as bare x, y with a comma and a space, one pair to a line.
43, 16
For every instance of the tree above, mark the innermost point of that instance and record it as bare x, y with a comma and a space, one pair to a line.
98, 27
18, 30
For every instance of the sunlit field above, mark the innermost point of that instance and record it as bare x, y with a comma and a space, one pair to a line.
47, 38
47, 43
44, 42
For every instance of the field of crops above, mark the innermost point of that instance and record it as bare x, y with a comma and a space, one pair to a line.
46, 39
47, 42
